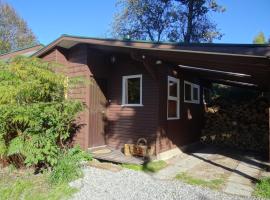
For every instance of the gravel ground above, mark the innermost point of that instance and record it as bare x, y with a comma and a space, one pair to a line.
99, 184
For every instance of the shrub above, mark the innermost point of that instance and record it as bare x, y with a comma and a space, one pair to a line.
36, 120
68, 166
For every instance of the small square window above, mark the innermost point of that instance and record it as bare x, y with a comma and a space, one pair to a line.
132, 90
192, 92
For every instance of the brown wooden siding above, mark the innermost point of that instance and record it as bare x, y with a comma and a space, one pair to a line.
127, 124
183, 131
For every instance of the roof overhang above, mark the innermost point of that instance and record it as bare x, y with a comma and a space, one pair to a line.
221, 66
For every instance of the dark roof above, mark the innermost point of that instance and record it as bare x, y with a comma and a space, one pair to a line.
238, 64
24, 48
238, 49
28, 51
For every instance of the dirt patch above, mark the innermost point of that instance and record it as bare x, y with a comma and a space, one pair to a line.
106, 166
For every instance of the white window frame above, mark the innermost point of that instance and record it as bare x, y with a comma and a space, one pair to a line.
125, 89
172, 98
192, 85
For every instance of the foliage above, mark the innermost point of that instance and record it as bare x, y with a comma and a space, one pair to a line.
68, 166
259, 39
143, 19
36, 121
14, 32
194, 22
78, 154
174, 20
263, 188
213, 184
154, 166
28, 186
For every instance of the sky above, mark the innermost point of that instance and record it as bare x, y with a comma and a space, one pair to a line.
49, 19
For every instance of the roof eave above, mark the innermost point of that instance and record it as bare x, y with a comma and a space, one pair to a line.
124, 45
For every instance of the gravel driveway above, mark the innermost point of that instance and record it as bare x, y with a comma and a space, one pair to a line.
99, 184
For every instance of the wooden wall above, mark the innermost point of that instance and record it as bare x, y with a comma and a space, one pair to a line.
128, 124
183, 131
122, 124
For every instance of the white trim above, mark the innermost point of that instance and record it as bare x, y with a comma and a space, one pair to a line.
177, 98
192, 85
124, 89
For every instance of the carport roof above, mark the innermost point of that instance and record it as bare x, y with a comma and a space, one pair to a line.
233, 64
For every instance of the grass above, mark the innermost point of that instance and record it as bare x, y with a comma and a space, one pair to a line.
26, 186
212, 184
154, 166
262, 188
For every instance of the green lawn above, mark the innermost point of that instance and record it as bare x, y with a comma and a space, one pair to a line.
213, 184
154, 166
263, 188
26, 186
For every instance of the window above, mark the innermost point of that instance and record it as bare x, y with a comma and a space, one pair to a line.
192, 92
173, 98
132, 90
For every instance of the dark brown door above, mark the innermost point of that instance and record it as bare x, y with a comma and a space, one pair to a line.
97, 109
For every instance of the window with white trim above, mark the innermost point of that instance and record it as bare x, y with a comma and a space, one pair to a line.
192, 92
132, 90
173, 101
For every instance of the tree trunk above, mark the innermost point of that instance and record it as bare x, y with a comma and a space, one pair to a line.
187, 37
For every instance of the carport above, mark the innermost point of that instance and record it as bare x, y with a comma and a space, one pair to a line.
246, 66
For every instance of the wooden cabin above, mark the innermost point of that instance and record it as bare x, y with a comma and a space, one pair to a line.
151, 90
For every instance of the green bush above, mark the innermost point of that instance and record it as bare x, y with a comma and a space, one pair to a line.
36, 119
68, 166
78, 154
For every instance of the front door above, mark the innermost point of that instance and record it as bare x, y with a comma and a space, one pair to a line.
97, 111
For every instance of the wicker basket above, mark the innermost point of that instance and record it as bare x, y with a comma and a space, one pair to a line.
138, 149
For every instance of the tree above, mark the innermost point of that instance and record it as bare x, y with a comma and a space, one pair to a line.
14, 31
174, 20
194, 22
143, 19
259, 39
